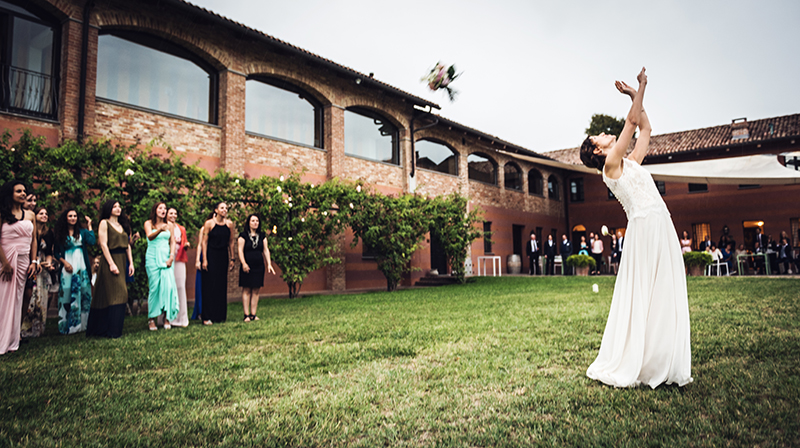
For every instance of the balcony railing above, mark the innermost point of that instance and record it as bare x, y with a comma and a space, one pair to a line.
27, 92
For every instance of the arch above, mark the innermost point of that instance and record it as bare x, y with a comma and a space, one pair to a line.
482, 168
288, 75
512, 176
553, 191
371, 135
579, 228
436, 155
145, 70
279, 109
535, 182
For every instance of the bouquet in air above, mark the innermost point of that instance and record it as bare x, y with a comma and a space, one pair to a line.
440, 77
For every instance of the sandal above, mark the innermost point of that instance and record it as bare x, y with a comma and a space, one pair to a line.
247, 318
167, 326
207, 322
253, 318
152, 325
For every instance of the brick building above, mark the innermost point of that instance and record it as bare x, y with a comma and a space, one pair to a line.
235, 98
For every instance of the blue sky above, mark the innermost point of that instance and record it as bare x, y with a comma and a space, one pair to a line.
534, 72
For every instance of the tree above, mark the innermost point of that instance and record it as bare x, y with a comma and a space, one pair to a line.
393, 227
455, 229
605, 123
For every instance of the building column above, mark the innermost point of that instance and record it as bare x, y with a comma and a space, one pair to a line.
404, 147
231, 120
333, 142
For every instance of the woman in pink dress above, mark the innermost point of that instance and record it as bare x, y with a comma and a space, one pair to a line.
17, 249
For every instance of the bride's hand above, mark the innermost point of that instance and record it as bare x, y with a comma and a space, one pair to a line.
625, 88
642, 77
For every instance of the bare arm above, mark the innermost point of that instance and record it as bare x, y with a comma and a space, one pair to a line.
102, 238
200, 234
152, 231
231, 243
267, 257
204, 236
614, 156
245, 266
7, 270
34, 267
171, 244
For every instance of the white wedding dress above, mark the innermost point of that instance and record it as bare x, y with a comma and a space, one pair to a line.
646, 340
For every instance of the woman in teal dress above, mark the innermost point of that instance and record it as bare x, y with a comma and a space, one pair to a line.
163, 296
72, 250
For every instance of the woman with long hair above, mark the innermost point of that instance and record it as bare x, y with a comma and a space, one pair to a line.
181, 244
163, 296
72, 251
218, 240
646, 340
34, 308
686, 242
107, 313
17, 248
253, 256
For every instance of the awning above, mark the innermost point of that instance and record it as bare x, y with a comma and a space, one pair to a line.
763, 169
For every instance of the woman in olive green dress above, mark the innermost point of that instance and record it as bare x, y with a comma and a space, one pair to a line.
107, 313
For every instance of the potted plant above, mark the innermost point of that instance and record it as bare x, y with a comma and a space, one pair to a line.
581, 263
696, 262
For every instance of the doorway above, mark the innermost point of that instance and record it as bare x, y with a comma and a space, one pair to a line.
438, 257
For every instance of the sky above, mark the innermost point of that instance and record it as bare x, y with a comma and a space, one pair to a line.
534, 72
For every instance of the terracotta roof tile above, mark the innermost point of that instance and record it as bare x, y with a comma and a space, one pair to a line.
713, 137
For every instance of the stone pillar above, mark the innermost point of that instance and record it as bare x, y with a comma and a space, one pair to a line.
406, 156
70, 73
231, 120
333, 135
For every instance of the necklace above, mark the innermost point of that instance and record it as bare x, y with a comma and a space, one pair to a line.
254, 240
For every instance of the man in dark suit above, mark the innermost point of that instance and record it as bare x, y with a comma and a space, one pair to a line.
549, 255
620, 239
566, 251
532, 250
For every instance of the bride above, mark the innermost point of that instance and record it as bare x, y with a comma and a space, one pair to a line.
646, 340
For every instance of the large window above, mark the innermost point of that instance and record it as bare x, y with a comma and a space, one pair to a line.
280, 110
151, 73
28, 63
552, 188
576, 190
512, 177
487, 235
436, 157
370, 136
482, 168
535, 182
695, 188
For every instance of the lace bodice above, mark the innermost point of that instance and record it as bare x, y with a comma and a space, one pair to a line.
636, 191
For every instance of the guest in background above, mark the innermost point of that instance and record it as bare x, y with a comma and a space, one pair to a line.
727, 257
532, 251
549, 255
30, 202
686, 242
34, 309
18, 245
566, 251
597, 254
614, 253
197, 312
181, 245
253, 256
163, 296
620, 243
218, 240
785, 255
72, 251
107, 314
704, 245
584, 248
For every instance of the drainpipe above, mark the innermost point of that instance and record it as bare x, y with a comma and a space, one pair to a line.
87, 9
414, 131
566, 209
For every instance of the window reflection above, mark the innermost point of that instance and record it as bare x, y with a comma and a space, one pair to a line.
368, 135
436, 157
512, 177
140, 75
535, 182
277, 109
482, 168
552, 188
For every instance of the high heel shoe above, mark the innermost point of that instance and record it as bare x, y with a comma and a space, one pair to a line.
152, 325
167, 326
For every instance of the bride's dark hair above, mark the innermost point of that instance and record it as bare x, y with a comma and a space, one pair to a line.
589, 158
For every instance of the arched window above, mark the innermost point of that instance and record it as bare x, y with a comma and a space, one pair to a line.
436, 157
277, 109
370, 136
482, 168
148, 72
535, 182
512, 177
28, 63
552, 188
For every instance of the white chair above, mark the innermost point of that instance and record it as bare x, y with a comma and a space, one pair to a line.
557, 264
717, 264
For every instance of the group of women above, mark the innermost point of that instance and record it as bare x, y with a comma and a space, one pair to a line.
39, 265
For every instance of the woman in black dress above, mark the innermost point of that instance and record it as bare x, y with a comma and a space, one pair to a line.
218, 239
253, 254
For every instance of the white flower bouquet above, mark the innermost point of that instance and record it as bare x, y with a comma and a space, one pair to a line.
440, 77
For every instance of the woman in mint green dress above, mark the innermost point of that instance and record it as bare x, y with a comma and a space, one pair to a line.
163, 297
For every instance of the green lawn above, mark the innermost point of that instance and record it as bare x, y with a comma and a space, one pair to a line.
497, 362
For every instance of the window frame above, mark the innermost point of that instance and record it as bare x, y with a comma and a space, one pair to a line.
494, 168
519, 174
368, 113
438, 142
573, 198
541, 179
553, 193
152, 42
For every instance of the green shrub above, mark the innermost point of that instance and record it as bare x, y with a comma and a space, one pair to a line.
695, 258
580, 261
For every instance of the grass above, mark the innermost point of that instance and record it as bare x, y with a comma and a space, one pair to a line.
498, 362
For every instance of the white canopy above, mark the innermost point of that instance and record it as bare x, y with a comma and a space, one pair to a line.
761, 169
